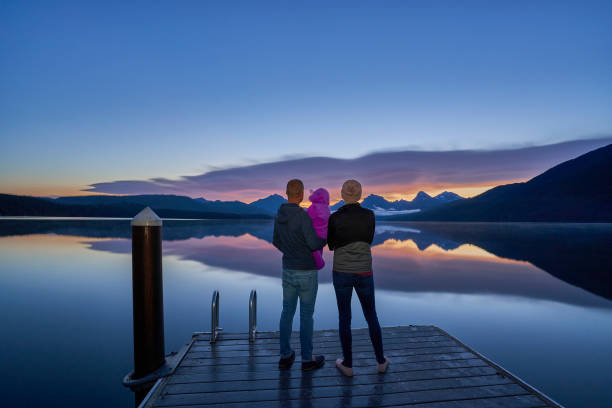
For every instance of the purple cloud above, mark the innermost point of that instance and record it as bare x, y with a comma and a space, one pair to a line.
389, 173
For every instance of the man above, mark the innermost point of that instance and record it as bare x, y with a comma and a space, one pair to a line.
350, 232
296, 238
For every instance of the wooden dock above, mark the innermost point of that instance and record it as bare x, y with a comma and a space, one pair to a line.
429, 369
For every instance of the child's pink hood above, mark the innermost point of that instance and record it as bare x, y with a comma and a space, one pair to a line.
319, 211
319, 196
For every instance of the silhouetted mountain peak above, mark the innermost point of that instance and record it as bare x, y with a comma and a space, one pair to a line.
448, 196
422, 196
269, 204
374, 200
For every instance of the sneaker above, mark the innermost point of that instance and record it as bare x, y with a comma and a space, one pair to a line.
286, 362
318, 362
348, 371
383, 367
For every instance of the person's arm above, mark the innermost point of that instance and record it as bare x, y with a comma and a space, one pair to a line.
276, 237
313, 241
372, 228
331, 233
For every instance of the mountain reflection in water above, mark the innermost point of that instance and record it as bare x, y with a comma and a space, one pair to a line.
494, 258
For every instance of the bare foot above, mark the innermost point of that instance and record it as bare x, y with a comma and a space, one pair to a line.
383, 367
348, 371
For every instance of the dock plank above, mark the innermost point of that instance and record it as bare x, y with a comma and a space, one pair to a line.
296, 382
329, 369
442, 342
333, 391
429, 369
357, 348
347, 398
186, 395
361, 358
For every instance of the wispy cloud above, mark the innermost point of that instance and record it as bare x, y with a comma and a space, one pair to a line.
388, 173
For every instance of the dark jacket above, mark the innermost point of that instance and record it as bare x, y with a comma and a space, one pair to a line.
295, 237
351, 223
350, 232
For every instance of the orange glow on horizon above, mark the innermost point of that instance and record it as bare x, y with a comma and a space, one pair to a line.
393, 192
49, 191
389, 192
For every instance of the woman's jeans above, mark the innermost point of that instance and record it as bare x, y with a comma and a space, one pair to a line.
364, 286
302, 285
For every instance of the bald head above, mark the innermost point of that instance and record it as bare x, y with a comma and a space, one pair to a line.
295, 191
351, 191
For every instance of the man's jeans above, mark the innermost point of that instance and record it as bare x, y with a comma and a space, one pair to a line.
364, 286
302, 285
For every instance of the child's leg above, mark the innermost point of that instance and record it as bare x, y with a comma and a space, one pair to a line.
318, 257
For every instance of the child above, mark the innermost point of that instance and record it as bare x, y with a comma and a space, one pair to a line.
319, 213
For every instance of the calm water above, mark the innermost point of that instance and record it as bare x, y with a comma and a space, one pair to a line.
533, 297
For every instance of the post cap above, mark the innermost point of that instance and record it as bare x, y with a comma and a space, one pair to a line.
146, 218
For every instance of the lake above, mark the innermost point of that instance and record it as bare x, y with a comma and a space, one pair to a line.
535, 298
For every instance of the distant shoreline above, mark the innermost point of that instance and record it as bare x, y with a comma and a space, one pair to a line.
380, 220
52, 218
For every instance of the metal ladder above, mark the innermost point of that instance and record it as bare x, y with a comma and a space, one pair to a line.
214, 317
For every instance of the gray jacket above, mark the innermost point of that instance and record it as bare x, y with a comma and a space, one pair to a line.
296, 238
355, 257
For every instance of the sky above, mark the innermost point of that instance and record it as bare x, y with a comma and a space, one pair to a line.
111, 97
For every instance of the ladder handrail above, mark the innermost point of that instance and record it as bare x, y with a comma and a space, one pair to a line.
214, 317
252, 315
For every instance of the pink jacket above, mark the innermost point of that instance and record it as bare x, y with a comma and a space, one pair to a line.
319, 213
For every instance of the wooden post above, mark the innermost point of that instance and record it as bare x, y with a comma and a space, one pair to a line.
147, 293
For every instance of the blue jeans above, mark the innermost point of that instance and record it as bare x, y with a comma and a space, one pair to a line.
302, 285
364, 286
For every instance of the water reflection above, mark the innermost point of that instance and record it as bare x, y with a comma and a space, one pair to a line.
504, 259
515, 292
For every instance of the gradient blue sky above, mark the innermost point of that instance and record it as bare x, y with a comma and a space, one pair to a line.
93, 93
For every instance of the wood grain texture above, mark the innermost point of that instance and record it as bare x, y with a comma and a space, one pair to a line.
429, 369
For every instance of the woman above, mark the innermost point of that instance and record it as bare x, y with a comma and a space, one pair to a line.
350, 234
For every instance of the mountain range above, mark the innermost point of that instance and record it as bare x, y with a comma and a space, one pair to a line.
173, 206
166, 206
269, 204
421, 202
578, 190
